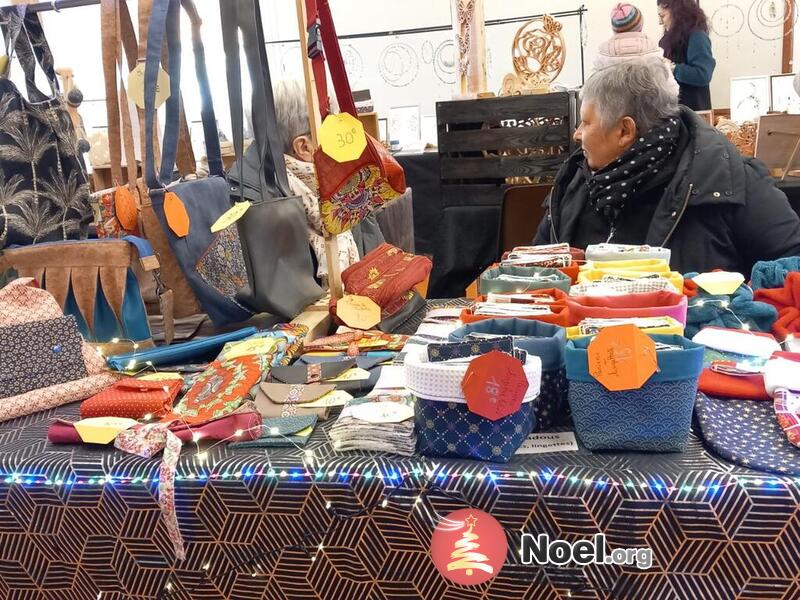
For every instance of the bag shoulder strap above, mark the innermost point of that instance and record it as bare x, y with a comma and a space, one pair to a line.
245, 17
32, 49
164, 21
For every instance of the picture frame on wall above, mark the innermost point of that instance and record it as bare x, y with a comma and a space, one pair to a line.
750, 98
784, 97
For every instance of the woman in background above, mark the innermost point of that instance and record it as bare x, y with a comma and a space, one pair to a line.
687, 45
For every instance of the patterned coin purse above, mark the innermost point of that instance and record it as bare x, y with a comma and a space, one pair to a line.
133, 399
40, 354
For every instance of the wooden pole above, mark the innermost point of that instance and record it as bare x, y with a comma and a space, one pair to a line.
331, 241
788, 37
469, 27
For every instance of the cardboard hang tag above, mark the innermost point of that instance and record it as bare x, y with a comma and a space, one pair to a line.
257, 346
136, 86
358, 312
342, 137
622, 358
102, 430
230, 216
176, 215
495, 385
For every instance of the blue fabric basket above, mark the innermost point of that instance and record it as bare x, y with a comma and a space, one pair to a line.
538, 339
654, 418
445, 425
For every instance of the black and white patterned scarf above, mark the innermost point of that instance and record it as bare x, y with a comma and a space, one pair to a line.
612, 186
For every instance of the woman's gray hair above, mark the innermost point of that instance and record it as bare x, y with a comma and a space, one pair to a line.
643, 90
291, 112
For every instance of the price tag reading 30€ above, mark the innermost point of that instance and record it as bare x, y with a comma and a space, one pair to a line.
342, 137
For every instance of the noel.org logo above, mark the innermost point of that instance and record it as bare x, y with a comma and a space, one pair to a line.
469, 546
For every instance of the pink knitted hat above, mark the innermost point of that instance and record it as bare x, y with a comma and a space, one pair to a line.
626, 18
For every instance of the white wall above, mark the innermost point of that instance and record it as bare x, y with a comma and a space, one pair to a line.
74, 35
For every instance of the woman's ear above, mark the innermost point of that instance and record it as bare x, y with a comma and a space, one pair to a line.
303, 148
628, 132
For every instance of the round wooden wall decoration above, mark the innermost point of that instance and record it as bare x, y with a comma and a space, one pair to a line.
538, 54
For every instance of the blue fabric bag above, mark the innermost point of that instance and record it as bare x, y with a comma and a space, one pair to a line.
539, 339
654, 418
201, 350
213, 263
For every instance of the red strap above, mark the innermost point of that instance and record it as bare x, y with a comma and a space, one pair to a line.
320, 11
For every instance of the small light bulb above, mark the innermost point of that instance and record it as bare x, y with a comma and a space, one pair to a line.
385, 503
700, 303
202, 456
724, 304
238, 433
149, 363
166, 389
131, 364
417, 500
115, 340
135, 346
310, 453
746, 326
328, 504
196, 435
320, 547
148, 416
206, 566
273, 431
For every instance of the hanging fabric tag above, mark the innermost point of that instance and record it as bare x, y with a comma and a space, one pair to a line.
175, 212
126, 209
230, 216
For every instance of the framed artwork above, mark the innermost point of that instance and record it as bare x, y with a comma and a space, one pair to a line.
404, 124
784, 96
749, 98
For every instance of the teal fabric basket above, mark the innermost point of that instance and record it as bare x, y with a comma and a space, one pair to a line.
654, 418
538, 339
538, 279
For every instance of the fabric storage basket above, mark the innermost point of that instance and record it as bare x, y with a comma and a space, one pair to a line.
672, 327
537, 278
651, 304
654, 418
554, 299
617, 252
538, 339
447, 428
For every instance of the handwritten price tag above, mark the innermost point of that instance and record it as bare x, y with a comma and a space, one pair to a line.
136, 86
230, 216
342, 137
102, 430
494, 385
255, 346
622, 358
358, 312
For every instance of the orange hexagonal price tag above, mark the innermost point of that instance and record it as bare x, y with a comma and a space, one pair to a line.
494, 385
622, 358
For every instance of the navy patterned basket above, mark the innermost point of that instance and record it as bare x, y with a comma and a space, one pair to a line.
654, 418
447, 428
540, 339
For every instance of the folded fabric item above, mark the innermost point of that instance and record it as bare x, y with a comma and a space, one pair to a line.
737, 341
646, 265
222, 388
281, 431
22, 301
618, 252
294, 334
302, 373
269, 349
706, 310
275, 400
40, 354
376, 424
652, 304
551, 299
722, 385
746, 433
536, 259
133, 399
245, 420
521, 279
660, 325
174, 354
355, 342
782, 371
786, 300
787, 413
772, 274
414, 303
590, 275
621, 288
367, 362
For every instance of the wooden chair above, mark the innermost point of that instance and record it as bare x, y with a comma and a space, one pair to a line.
521, 213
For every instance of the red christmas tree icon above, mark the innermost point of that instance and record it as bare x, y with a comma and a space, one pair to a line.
465, 556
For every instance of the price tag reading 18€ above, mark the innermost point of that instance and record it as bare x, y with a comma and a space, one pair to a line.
136, 86
342, 137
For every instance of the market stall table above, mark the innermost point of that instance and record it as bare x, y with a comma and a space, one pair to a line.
79, 521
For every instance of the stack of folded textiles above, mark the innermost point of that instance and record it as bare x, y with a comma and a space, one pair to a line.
629, 270
546, 305
650, 325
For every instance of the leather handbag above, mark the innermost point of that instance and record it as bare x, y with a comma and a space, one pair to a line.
43, 183
273, 231
351, 190
95, 281
212, 262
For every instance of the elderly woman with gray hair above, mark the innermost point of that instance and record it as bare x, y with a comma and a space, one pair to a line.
652, 172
